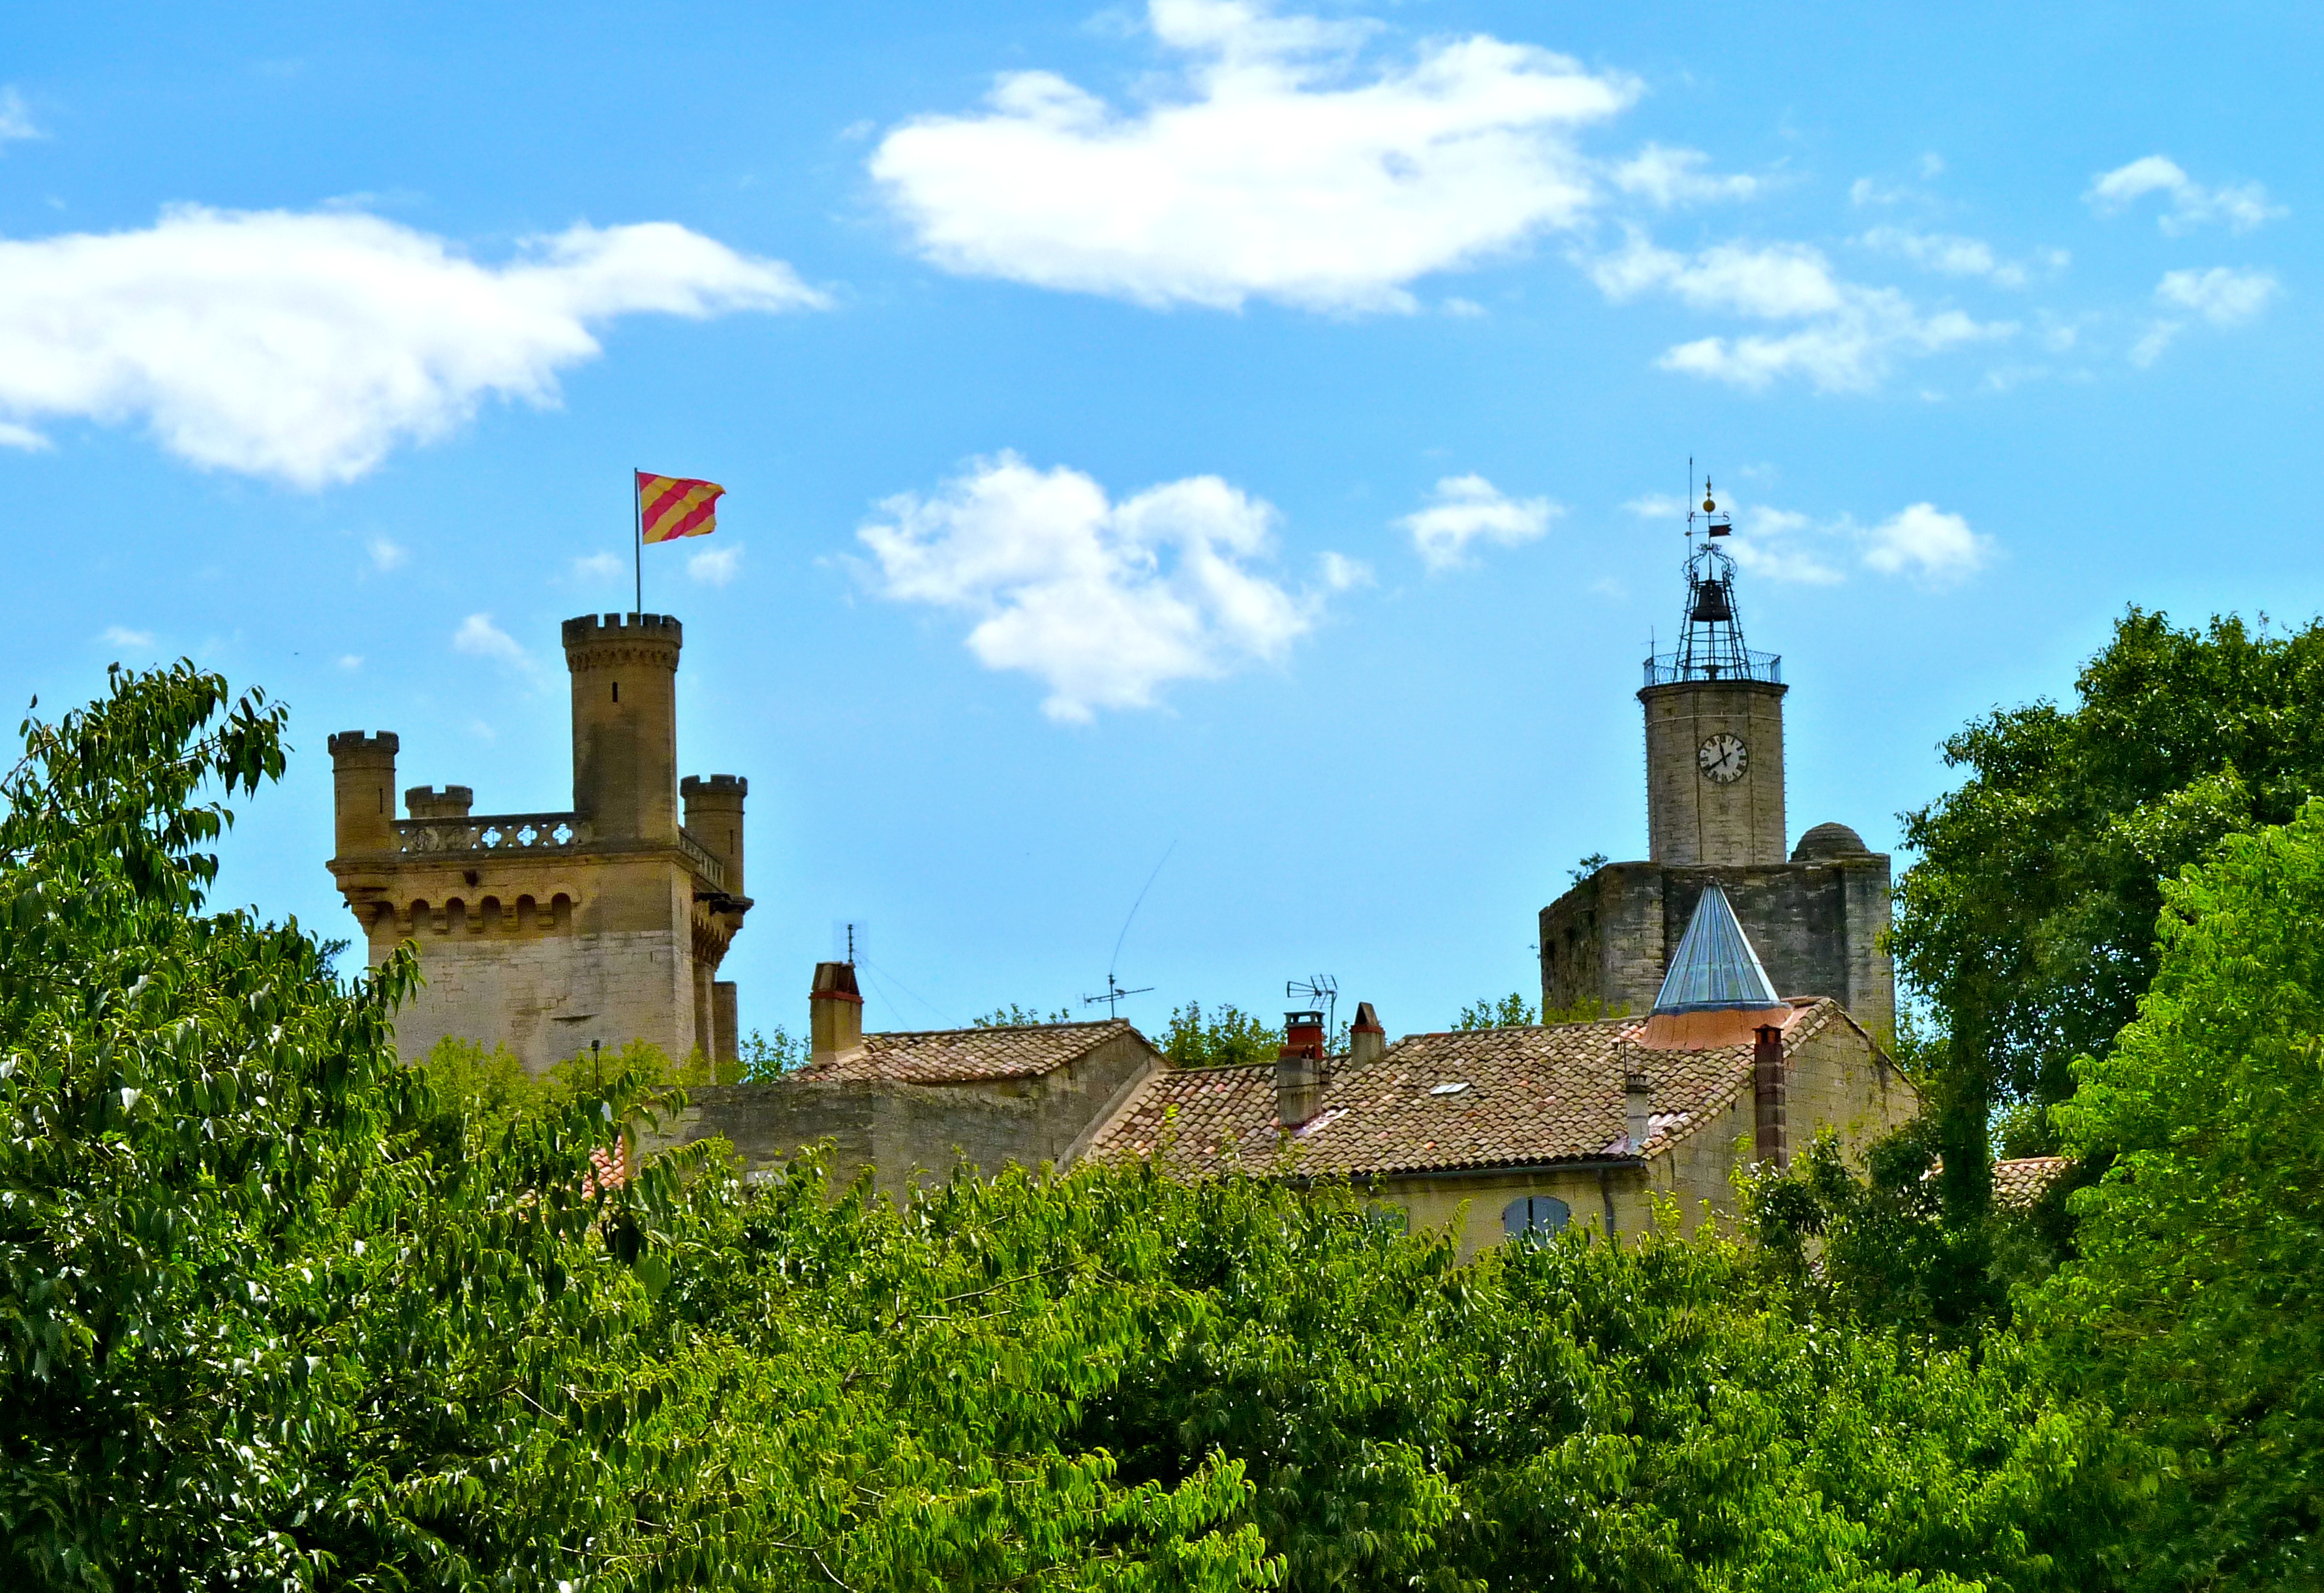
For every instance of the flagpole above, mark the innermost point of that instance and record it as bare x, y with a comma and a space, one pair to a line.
638, 546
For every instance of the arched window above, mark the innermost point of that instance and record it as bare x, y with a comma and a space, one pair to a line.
1535, 1216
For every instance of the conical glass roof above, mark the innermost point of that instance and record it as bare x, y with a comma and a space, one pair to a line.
1715, 970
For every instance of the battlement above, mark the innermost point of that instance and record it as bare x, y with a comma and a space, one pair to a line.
713, 786
365, 745
430, 802
591, 629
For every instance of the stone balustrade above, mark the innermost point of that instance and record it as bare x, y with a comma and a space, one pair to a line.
705, 863
492, 833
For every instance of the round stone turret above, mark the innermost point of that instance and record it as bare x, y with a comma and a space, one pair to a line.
1829, 840
713, 816
362, 792
626, 723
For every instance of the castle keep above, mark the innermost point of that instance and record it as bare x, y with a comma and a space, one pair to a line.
1714, 713
551, 933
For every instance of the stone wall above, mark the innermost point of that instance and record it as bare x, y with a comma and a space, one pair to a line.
547, 996
903, 1130
1817, 927
1607, 1200
1835, 1081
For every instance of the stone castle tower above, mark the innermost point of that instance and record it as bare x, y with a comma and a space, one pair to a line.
550, 931
1714, 720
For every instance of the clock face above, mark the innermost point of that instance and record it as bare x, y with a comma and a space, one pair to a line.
1722, 758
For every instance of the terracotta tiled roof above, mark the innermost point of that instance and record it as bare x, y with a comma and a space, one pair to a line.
969, 1056
1483, 1098
2020, 1182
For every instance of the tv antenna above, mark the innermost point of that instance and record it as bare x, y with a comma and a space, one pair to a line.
1114, 994
1321, 990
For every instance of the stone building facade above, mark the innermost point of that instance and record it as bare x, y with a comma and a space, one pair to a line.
1819, 913
550, 933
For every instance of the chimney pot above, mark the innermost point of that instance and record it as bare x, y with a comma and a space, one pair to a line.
1299, 1071
1366, 1040
1637, 1110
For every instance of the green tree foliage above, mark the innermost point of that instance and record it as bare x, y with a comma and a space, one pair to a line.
1013, 1016
1512, 1011
1220, 1039
2196, 1305
765, 1056
2029, 923
275, 1311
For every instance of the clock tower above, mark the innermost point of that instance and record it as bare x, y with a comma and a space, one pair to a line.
1817, 915
1714, 727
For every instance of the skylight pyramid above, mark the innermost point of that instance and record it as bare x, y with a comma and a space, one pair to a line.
1715, 970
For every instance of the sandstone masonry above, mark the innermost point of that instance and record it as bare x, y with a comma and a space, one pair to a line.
550, 931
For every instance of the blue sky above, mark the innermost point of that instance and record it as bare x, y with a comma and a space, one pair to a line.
1239, 433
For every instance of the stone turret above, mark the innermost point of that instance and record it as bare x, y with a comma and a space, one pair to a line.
362, 792
713, 816
625, 724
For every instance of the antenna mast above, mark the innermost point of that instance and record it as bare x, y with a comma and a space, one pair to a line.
1322, 990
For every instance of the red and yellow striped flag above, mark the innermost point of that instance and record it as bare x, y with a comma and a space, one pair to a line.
672, 506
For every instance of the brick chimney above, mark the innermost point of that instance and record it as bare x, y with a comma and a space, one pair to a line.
1767, 1136
1638, 1108
835, 1012
1366, 1040
1299, 1071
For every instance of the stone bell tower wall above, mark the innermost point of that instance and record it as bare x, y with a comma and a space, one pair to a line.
1693, 820
1818, 926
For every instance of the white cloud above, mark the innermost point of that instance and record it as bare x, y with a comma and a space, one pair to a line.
1665, 177
1920, 543
1784, 546
24, 437
122, 636
1275, 167
716, 566
304, 347
2151, 344
1853, 334
1102, 602
16, 123
1342, 573
2222, 295
479, 635
1950, 254
351, 661
1464, 308
2243, 206
386, 555
1923, 541
599, 565
1465, 508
